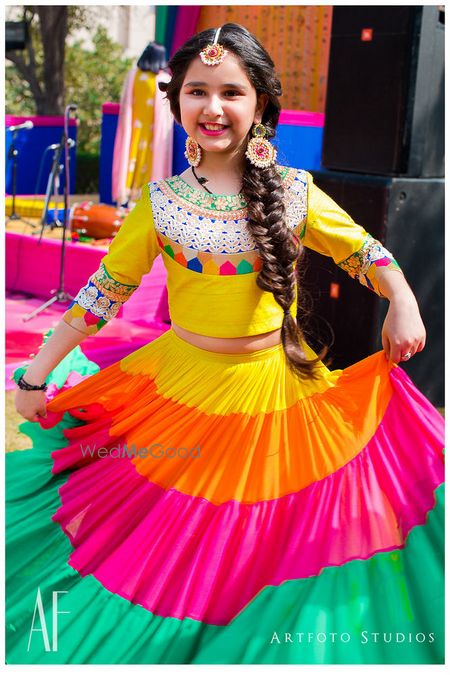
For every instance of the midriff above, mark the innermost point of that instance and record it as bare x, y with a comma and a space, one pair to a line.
250, 343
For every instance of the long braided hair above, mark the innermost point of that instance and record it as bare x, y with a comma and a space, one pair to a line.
262, 188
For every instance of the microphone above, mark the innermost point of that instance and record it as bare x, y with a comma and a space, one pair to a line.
71, 108
54, 146
25, 125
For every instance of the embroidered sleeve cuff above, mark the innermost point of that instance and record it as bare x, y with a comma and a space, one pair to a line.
97, 302
364, 263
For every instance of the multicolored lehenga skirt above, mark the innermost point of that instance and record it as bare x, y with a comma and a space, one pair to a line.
188, 506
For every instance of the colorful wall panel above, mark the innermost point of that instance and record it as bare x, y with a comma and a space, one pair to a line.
298, 39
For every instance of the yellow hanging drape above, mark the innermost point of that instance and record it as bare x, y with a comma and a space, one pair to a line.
141, 144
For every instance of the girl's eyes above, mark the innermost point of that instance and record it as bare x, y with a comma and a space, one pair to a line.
233, 92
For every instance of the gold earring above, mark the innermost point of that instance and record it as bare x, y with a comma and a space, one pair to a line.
193, 152
259, 151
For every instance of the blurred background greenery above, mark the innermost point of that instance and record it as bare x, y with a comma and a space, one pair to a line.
90, 76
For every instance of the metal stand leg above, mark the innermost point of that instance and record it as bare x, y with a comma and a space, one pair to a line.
60, 295
12, 154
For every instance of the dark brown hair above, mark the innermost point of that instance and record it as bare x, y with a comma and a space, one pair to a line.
262, 188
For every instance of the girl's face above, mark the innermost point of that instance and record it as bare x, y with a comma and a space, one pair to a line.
221, 95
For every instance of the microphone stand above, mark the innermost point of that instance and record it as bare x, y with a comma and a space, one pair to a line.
60, 295
52, 183
12, 154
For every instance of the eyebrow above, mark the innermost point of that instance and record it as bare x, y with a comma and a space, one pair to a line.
228, 84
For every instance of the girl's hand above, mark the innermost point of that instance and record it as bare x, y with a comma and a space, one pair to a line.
31, 404
403, 330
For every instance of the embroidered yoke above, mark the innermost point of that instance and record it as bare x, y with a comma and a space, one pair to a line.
211, 259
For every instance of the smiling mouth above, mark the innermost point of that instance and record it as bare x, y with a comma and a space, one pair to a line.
213, 127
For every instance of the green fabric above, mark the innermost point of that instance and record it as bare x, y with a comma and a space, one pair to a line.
161, 23
74, 360
172, 12
105, 628
102, 627
165, 25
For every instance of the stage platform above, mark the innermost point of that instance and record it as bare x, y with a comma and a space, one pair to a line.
32, 275
114, 341
33, 267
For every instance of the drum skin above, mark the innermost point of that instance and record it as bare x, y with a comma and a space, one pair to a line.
99, 221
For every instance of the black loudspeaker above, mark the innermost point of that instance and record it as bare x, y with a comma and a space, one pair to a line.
16, 35
385, 95
407, 216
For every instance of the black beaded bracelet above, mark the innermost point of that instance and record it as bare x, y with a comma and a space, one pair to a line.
26, 386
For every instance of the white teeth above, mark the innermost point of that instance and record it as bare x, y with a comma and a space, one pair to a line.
214, 127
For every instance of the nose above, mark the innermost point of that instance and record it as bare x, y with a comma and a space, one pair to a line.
212, 106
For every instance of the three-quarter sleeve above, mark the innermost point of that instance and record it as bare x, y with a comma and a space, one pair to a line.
130, 256
331, 231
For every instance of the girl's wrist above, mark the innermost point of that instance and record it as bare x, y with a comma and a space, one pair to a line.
26, 385
34, 378
31, 375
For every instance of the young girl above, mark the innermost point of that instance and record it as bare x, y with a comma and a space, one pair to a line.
220, 495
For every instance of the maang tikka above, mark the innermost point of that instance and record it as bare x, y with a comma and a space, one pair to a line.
214, 53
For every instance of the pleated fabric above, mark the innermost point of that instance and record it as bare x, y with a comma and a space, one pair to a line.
200, 507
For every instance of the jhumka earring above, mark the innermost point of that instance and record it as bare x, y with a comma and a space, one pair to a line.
193, 152
213, 54
259, 151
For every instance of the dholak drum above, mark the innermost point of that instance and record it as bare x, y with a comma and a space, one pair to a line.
96, 220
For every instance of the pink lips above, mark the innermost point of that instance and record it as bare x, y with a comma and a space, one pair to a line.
208, 132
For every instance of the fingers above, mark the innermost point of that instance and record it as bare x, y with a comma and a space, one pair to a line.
39, 415
395, 352
31, 405
33, 416
421, 345
386, 346
400, 350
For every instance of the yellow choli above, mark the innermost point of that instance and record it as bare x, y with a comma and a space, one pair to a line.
211, 258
